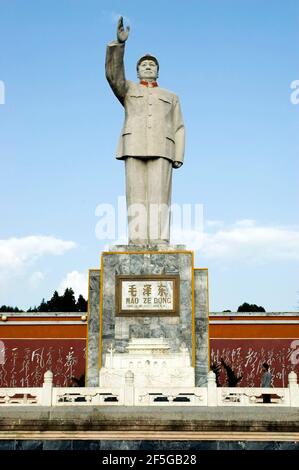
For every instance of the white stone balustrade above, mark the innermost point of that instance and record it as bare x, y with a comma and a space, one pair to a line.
87, 396
21, 396
163, 396
251, 396
131, 394
293, 389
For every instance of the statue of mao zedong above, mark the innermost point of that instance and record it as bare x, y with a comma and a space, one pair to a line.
151, 143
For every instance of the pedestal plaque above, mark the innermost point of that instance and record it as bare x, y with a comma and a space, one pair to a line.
147, 294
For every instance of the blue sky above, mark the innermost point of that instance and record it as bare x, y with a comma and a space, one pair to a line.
231, 62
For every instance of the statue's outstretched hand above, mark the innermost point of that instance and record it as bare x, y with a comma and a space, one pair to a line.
176, 164
122, 33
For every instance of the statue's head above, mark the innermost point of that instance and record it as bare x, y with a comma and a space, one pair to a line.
147, 68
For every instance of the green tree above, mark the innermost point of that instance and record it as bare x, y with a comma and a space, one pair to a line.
69, 301
32, 309
245, 307
81, 304
43, 307
7, 308
55, 303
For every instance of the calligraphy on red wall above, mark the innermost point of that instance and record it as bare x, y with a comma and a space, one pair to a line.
24, 362
246, 356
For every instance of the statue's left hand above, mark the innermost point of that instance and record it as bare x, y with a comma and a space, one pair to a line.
176, 164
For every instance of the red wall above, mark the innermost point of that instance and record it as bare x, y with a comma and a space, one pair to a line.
24, 361
246, 341
246, 357
31, 346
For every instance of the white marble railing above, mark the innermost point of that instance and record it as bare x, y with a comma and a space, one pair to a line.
21, 396
87, 396
130, 395
163, 396
252, 396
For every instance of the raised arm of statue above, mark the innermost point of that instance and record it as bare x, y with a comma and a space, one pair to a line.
115, 70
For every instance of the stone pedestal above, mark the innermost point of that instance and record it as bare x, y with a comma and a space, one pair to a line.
187, 328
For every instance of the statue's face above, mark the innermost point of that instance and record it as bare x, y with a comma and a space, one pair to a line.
147, 69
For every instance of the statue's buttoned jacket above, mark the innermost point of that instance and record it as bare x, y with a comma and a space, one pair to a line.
153, 125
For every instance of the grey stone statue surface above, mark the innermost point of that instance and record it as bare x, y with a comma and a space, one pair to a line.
151, 143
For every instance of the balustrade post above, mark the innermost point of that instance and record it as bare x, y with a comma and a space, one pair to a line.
212, 389
293, 389
129, 392
47, 389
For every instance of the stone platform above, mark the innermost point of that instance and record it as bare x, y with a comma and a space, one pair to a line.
182, 423
123, 428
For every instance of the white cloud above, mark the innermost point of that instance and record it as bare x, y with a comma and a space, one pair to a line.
35, 279
193, 239
245, 241
245, 223
77, 281
16, 254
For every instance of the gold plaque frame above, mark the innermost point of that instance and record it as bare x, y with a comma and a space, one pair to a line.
175, 311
